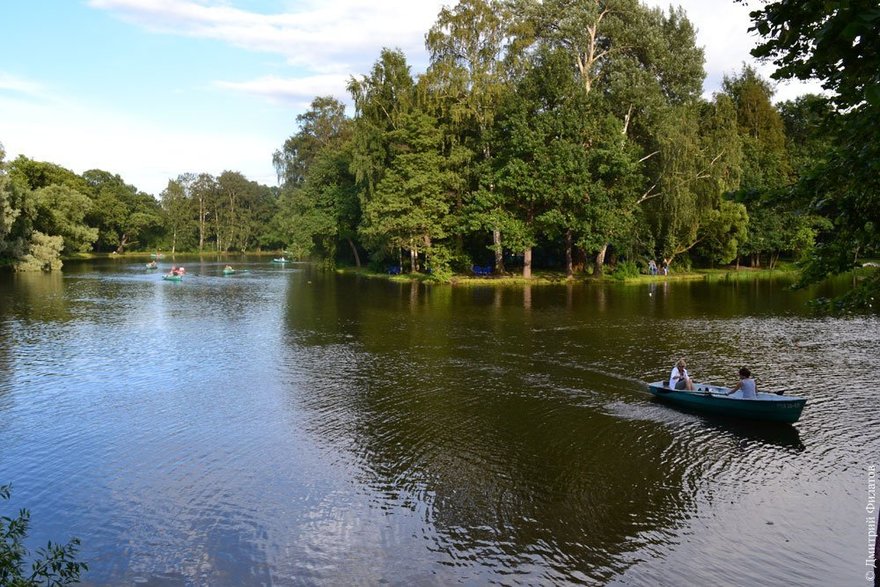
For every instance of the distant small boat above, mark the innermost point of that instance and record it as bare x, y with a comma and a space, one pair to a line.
157, 256
713, 399
172, 277
281, 260
228, 271
152, 265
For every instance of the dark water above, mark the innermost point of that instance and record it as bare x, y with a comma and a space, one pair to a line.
283, 426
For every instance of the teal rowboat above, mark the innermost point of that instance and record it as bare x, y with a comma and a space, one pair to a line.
172, 277
228, 271
712, 399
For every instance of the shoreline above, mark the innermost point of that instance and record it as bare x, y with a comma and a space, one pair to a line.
542, 278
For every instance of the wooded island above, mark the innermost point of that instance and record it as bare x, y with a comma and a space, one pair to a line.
559, 134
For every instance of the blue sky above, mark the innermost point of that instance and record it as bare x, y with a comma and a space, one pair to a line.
150, 89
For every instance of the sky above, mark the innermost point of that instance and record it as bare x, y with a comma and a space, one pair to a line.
151, 89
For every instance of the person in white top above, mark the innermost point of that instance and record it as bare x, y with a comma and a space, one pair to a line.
679, 378
746, 384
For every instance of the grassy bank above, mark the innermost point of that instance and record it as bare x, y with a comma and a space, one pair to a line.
723, 274
558, 277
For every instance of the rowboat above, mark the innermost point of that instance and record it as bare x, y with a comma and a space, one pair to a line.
152, 265
713, 399
228, 271
281, 260
172, 277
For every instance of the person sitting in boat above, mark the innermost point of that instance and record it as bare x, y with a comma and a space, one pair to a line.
746, 384
227, 268
679, 378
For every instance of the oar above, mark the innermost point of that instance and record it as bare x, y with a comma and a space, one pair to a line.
777, 392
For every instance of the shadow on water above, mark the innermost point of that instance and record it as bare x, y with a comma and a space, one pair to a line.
782, 435
776, 434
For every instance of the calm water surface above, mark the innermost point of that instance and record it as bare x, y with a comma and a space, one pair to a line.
284, 426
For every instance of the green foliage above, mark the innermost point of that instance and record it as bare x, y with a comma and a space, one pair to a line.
99, 211
179, 213
39, 174
838, 43
569, 125
408, 208
225, 213
321, 126
809, 131
9, 211
60, 210
54, 565
440, 260
723, 230
43, 253
625, 270
123, 216
700, 159
399, 163
319, 203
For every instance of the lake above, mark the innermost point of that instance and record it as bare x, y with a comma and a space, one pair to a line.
288, 426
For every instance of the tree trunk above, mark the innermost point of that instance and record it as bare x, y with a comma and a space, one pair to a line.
203, 214
230, 229
569, 265
600, 261
357, 258
499, 255
527, 263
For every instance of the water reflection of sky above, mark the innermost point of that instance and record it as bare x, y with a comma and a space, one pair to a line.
289, 426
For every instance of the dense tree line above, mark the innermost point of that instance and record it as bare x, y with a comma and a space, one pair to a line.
218, 214
47, 212
560, 133
564, 132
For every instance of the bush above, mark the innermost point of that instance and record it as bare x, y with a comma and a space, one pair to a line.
625, 270
44, 253
54, 565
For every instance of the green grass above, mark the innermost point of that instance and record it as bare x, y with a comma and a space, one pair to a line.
559, 277
722, 274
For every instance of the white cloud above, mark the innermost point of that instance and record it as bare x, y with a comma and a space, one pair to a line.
146, 153
19, 85
723, 32
298, 91
343, 37
320, 36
